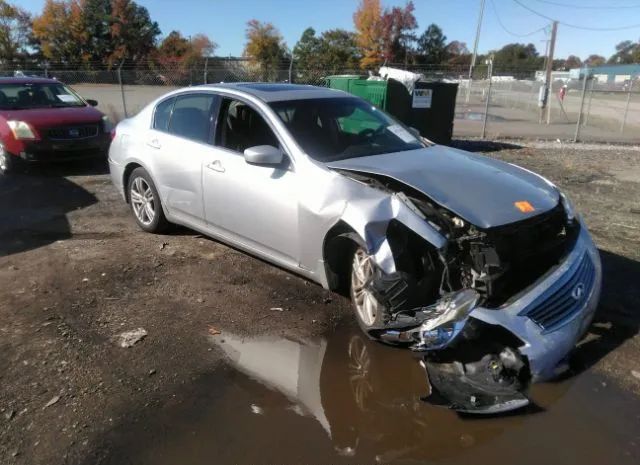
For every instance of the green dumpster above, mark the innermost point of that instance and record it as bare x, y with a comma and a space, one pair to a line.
430, 108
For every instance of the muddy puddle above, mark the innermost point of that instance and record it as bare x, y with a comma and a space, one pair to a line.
345, 399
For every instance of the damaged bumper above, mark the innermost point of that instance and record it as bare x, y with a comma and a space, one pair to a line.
554, 313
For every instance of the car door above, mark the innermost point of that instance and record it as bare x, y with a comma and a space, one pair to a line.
180, 140
256, 205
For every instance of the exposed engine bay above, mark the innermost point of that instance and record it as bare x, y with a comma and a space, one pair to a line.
426, 302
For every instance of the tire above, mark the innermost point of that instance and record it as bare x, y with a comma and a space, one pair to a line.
145, 202
368, 312
8, 163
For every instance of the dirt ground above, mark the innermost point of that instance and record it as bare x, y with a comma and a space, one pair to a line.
76, 272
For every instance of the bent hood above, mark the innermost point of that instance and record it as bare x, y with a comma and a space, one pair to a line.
481, 190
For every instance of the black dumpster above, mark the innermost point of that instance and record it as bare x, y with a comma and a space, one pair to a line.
432, 110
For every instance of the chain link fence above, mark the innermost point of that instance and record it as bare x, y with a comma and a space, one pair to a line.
495, 104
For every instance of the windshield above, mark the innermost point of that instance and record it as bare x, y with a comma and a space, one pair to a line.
37, 95
331, 129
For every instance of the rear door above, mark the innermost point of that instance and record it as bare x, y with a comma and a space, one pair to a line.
181, 138
256, 205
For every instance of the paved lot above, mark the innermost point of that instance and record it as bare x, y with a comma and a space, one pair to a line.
76, 272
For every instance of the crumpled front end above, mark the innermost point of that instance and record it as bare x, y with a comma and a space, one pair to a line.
489, 310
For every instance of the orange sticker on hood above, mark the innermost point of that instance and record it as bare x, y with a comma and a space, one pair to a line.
524, 206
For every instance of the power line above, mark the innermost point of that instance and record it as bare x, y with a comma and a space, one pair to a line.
590, 7
576, 26
515, 34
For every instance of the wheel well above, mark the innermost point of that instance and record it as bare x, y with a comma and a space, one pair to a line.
125, 178
337, 251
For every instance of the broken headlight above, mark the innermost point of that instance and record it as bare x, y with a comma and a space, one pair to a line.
449, 317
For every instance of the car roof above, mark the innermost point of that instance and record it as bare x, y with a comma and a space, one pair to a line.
275, 92
27, 80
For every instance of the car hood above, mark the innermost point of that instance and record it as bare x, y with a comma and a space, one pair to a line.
50, 117
479, 189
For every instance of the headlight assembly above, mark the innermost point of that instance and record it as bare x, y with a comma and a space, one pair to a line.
22, 130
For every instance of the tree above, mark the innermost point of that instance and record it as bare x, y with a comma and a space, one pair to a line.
367, 21
396, 25
431, 46
458, 53
95, 31
58, 31
595, 60
518, 56
264, 46
572, 62
15, 32
338, 50
627, 52
307, 50
133, 34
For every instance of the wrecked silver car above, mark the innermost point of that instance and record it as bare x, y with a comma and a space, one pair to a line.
481, 267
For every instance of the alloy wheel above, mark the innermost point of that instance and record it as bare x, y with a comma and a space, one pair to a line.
362, 272
143, 201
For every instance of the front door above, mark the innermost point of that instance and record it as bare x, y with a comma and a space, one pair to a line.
256, 205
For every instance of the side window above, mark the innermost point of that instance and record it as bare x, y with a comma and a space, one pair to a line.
162, 115
240, 127
191, 117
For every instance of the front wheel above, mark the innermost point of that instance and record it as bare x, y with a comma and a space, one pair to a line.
368, 310
145, 202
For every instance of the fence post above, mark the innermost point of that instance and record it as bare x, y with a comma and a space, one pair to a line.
626, 108
586, 118
584, 91
486, 106
206, 69
124, 100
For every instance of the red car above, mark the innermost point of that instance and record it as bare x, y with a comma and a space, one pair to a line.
44, 120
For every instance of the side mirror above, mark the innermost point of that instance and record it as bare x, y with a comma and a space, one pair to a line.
263, 155
93, 103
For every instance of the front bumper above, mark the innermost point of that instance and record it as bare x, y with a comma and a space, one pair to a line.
546, 348
62, 150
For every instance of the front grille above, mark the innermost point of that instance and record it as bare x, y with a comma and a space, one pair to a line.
565, 298
73, 132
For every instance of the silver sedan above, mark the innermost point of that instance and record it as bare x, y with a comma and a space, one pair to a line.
452, 254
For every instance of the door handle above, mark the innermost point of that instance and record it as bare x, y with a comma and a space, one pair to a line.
216, 165
154, 143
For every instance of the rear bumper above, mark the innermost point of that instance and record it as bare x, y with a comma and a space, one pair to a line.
116, 171
546, 349
63, 150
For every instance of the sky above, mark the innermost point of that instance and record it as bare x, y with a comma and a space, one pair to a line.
224, 20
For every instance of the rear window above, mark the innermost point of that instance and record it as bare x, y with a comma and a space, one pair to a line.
163, 114
191, 117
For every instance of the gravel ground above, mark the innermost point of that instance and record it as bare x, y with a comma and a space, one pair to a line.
76, 273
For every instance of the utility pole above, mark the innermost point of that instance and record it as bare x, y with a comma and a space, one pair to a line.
475, 49
547, 79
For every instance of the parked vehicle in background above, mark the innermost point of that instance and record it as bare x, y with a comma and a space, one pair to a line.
42, 120
482, 266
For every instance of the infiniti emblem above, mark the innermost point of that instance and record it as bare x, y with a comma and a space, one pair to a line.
74, 132
578, 292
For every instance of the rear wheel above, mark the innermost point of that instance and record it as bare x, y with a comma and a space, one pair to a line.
368, 311
145, 202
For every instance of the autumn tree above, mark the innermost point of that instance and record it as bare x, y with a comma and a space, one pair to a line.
264, 46
95, 31
15, 32
432, 48
396, 26
457, 53
133, 33
368, 24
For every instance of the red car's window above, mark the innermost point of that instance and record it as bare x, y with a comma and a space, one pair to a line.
37, 95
